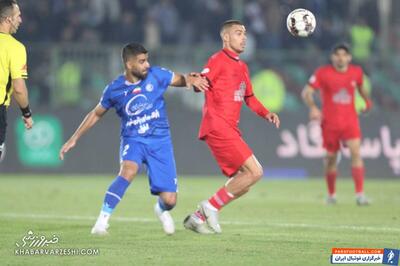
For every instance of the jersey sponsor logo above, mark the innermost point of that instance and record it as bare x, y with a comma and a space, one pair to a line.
342, 97
238, 95
149, 87
144, 119
143, 128
137, 105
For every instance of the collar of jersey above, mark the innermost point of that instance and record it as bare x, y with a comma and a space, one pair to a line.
128, 83
231, 54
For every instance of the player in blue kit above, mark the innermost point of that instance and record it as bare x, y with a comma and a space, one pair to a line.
137, 97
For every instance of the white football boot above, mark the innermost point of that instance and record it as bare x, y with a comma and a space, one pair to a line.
101, 225
165, 219
194, 223
362, 200
2, 151
211, 216
100, 229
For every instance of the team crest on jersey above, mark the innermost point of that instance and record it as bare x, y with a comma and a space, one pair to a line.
149, 87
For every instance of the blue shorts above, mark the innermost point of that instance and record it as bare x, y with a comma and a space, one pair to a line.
159, 159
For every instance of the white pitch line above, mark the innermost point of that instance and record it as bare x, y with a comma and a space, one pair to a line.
148, 220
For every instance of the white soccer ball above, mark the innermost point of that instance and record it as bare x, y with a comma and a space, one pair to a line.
301, 22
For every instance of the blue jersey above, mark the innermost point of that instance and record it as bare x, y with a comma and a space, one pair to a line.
140, 105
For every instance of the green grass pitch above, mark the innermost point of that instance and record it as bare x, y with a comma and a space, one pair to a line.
280, 222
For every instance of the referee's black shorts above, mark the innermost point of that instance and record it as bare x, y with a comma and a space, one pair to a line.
3, 123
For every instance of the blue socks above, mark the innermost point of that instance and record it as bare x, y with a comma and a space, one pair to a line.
114, 194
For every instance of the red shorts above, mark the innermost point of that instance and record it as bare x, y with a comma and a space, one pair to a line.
333, 136
229, 150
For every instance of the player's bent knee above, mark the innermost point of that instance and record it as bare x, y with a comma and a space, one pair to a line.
258, 173
330, 161
128, 170
169, 201
128, 173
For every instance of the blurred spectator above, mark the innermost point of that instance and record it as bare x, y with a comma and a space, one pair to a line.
362, 37
151, 32
102, 11
126, 29
167, 17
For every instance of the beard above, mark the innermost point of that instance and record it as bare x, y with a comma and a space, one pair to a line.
138, 74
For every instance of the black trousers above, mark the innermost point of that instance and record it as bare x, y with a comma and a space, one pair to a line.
3, 123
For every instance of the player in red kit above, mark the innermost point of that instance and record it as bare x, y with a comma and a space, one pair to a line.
337, 84
230, 85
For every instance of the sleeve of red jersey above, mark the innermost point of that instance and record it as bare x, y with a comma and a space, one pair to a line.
251, 100
314, 80
211, 69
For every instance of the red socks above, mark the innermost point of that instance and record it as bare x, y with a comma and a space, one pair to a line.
331, 182
220, 198
358, 177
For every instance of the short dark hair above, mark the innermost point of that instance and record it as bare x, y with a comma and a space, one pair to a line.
5, 7
230, 23
341, 46
132, 49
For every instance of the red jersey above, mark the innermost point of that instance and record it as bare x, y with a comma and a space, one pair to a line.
337, 92
230, 84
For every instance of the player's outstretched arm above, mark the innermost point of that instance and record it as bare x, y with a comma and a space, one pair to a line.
256, 106
308, 98
21, 97
190, 80
88, 122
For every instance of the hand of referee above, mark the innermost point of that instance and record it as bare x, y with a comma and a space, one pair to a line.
273, 118
28, 122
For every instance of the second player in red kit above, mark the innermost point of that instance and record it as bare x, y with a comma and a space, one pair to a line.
337, 84
230, 85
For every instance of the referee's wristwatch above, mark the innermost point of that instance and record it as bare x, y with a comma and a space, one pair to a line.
26, 112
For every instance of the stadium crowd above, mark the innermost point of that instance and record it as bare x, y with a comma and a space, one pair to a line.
181, 21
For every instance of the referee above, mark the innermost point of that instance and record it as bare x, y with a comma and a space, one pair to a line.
13, 68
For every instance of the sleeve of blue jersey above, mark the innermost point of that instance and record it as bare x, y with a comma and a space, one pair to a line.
105, 100
164, 75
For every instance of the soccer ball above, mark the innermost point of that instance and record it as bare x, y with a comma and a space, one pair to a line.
301, 22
